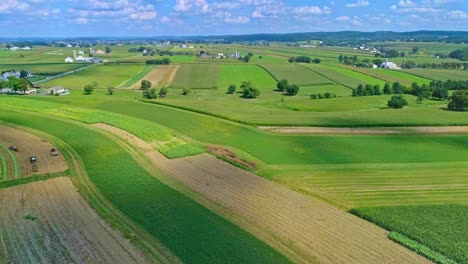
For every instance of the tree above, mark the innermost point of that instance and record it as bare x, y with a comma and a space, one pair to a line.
377, 62
402, 54
340, 58
23, 74
392, 54
163, 92
88, 89
23, 85
415, 50
440, 93
249, 90
250, 54
397, 88
150, 93
387, 89
459, 101
145, 84
246, 58
316, 60
186, 91
303, 59
292, 89
377, 90
110, 90
282, 85
397, 102
231, 89
368, 90
359, 90
108, 50
292, 59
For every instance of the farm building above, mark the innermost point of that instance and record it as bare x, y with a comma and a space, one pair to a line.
58, 91
83, 59
69, 60
389, 65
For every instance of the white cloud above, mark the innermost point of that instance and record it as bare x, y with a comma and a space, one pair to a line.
81, 20
7, 5
343, 18
408, 6
359, 3
144, 15
458, 14
237, 20
311, 10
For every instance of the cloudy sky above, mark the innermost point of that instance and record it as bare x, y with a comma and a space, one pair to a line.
70, 18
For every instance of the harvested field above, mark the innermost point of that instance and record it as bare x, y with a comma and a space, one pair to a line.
162, 75
366, 131
28, 145
231, 156
303, 228
49, 222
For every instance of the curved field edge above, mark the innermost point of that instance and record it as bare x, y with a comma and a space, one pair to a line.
151, 247
420, 248
191, 231
13, 159
441, 228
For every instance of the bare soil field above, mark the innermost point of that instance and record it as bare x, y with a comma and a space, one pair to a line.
366, 131
49, 222
162, 75
29, 145
305, 229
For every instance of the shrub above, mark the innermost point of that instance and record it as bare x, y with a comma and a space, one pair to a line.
88, 89
186, 91
292, 89
145, 84
282, 85
249, 90
397, 102
313, 96
231, 89
163, 92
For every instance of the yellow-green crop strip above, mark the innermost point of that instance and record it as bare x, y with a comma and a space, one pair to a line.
15, 163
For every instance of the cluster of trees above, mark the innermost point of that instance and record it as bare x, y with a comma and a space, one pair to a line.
421, 91
364, 63
370, 90
152, 93
450, 85
16, 84
304, 59
443, 65
285, 86
163, 61
461, 54
326, 95
249, 90
108, 50
247, 57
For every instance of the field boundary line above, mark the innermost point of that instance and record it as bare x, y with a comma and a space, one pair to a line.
335, 82
4, 170
263, 67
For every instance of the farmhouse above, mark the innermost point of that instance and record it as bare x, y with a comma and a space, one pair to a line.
220, 55
69, 60
58, 91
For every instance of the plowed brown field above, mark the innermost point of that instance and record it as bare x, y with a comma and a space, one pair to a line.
29, 145
162, 75
49, 222
306, 229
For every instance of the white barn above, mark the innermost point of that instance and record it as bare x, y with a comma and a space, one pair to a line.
69, 60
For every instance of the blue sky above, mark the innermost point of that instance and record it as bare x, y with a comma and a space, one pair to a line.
71, 18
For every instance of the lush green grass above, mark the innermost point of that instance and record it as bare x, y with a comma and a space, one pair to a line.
301, 149
236, 74
106, 75
147, 69
296, 74
43, 68
439, 227
196, 76
390, 76
440, 74
169, 145
379, 184
360, 77
191, 231
14, 161
37, 55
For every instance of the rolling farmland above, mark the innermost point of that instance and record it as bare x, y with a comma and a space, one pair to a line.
207, 176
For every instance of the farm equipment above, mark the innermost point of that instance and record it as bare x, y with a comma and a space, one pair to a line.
54, 152
34, 166
14, 148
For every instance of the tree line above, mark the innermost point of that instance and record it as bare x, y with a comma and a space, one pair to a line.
304, 59
163, 61
16, 84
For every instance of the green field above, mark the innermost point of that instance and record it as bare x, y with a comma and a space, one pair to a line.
236, 74
435, 74
196, 76
391, 76
43, 68
439, 227
106, 75
191, 231
296, 74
